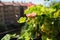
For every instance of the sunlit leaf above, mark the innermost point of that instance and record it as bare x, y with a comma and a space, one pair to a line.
22, 20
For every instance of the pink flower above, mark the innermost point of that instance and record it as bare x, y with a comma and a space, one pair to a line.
31, 15
28, 15
30, 4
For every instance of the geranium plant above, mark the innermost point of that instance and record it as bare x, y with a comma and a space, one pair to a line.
39, 21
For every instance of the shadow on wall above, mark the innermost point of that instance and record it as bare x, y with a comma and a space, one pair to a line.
22, 8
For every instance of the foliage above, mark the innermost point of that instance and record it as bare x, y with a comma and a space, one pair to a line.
22, 20
8, 36
45, 22
55, 5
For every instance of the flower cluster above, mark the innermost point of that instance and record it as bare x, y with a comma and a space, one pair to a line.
30, 4
32, 15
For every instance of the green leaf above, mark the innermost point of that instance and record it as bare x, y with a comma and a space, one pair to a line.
57, 14
7, 37
22, 20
